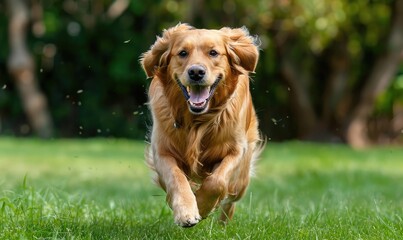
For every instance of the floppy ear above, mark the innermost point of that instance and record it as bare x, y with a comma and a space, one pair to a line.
242, 48
158, 55
155, 57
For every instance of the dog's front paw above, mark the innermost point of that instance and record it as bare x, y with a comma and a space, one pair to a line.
187, 217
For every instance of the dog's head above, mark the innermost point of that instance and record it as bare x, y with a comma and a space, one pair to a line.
203, 63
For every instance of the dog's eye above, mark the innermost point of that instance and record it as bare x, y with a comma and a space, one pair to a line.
183, 53
213, 53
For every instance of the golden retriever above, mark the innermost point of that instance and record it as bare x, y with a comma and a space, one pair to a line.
205, 135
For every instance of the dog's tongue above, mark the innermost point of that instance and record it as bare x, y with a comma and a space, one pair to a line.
198, 94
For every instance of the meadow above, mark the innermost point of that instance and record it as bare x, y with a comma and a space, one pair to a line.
102, 189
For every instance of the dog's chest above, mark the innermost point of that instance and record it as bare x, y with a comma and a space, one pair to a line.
209, 146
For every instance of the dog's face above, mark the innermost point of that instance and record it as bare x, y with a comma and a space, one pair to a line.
198, 64
199, 60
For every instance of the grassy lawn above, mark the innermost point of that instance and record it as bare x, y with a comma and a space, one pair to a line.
101, 189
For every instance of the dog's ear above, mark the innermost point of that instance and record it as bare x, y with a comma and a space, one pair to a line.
242, 48
155, 57
158, 56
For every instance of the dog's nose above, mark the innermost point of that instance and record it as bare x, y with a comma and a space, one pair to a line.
196, 72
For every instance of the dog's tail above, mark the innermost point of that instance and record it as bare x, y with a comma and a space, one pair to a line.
149, 159
259, 148
148, 155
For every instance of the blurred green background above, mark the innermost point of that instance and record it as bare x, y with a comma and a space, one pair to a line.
328, 71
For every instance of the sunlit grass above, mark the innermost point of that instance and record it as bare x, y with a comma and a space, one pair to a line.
102, 189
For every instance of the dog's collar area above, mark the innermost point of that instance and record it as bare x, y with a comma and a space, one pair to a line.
177, 125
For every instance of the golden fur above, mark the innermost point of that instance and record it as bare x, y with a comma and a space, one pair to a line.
202, 149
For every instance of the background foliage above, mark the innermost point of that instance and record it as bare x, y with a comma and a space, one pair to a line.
87, 62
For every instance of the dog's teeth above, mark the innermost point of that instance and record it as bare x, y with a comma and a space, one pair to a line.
197, 104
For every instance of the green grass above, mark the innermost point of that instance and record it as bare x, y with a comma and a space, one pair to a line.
101, 189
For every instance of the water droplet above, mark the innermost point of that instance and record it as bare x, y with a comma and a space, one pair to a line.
127, 41
4, 86
80, 91
275, 121
99, 131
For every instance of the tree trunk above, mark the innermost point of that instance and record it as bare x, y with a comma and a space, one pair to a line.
117, 8
21, 66
336, 84
304, 113
378, 80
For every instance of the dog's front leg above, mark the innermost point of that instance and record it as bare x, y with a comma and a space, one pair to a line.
215, 187
179, 194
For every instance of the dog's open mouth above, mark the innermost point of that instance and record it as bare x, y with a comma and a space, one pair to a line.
198, 96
